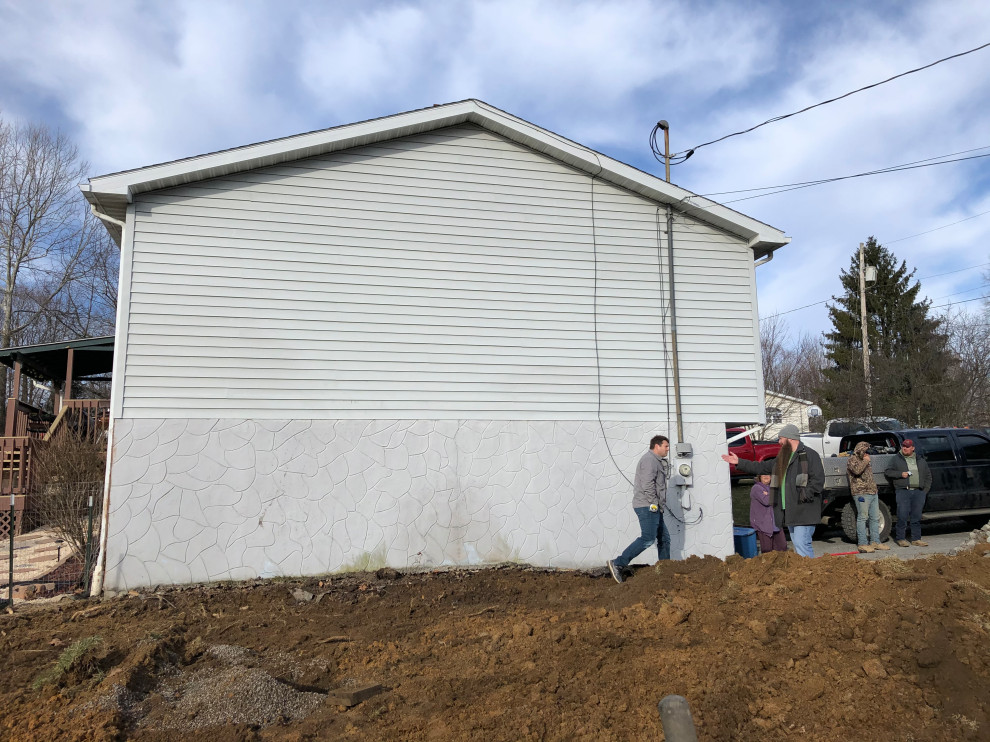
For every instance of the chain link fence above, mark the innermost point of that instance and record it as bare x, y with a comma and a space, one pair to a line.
49, 541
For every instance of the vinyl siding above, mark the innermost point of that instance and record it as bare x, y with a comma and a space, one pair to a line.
446, 275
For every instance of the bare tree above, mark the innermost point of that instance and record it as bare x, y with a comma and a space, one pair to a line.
789, 369
44, 229
969, 338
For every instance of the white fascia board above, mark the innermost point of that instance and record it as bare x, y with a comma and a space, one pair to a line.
111, 193
778, 395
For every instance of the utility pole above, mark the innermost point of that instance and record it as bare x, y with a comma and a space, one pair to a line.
666, 146
866, 339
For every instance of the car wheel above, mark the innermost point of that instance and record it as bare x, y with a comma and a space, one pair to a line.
849, 521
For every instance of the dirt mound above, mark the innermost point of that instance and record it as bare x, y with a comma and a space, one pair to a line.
828, 649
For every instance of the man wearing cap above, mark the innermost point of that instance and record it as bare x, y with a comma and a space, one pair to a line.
909, 474
796, 485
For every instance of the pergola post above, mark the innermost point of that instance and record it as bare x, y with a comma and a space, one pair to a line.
15, 394
67, 394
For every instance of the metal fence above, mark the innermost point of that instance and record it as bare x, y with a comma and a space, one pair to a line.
48, 541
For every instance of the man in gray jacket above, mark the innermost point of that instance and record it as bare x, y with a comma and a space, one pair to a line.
649, 498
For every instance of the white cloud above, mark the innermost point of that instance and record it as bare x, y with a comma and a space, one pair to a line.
138, 83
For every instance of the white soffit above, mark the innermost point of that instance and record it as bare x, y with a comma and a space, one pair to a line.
111, 193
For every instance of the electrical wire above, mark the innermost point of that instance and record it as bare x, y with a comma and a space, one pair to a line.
921, 278
963, 301
598, 366
811, 183
947, 273
912, 236
957, 293
598, 362
659, 153
891, 168
837, 98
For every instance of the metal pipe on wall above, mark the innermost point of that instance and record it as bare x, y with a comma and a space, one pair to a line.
673, 324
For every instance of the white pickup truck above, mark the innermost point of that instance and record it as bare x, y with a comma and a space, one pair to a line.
827, 443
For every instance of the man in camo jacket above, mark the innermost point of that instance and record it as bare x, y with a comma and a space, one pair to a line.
863, 488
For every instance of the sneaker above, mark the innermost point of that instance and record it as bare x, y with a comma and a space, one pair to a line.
865, 549
919, 542
616, 571
880, 547
903, 542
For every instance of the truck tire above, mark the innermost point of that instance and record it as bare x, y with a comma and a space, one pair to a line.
849, 521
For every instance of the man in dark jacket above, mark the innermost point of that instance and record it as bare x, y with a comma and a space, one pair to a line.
796, 485
912, 479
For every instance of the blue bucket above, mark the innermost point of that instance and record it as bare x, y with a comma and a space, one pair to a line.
744, 540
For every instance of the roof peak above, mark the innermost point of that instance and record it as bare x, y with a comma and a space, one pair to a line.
111, 193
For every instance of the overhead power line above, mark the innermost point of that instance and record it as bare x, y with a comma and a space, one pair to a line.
912, 236
833, 100
774, 190
922, 278
889, 168
963, 301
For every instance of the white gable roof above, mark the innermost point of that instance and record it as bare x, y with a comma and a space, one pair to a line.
111, 193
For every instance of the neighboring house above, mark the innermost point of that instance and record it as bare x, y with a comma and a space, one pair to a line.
784, 410
440, 337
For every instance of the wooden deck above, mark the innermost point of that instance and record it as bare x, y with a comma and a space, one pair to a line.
87, 418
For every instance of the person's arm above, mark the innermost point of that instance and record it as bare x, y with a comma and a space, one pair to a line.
761, 495
647, 473
894, 471
925, 474
750, 467
856, 465
816, 476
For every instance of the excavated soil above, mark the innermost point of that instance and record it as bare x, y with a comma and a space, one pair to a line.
776, 647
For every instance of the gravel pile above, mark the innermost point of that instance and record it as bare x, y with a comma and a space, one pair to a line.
234, 690
232, 695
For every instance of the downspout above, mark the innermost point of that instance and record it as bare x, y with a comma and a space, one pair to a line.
764, 260
99, 570
673, 324
106, 217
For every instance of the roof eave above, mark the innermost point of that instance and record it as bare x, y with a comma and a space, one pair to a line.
111, 193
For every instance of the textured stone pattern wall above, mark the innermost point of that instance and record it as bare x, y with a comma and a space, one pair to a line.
204, 500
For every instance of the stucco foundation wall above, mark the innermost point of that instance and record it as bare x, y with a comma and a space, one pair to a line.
195, 500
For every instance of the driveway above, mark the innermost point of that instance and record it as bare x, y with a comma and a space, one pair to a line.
942, 536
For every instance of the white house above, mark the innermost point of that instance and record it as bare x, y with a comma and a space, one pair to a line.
782, 410
440, 337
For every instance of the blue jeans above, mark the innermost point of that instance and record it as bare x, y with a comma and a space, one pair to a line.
652, 531
867, 507
910, 503
801, 538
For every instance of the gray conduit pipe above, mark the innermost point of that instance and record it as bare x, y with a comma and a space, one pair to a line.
673, 324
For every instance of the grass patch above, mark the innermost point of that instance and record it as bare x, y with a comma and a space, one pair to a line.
74, 656
740, 502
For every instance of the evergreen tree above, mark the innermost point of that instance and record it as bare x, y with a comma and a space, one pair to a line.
909, 349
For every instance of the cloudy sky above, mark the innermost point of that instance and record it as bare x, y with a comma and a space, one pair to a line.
136, 83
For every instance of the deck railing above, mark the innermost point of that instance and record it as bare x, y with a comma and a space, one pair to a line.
27, 420
15, 465
88, 418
